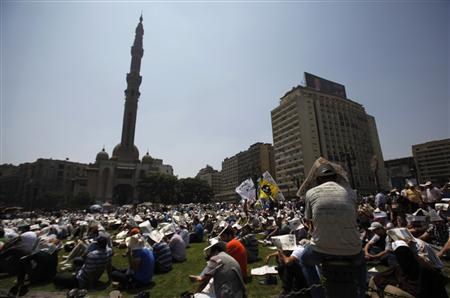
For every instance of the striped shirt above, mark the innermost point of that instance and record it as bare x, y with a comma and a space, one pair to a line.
163, 257
251, 245
94, 266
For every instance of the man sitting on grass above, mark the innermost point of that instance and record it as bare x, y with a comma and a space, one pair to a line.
141, 265
224, 272
95, 263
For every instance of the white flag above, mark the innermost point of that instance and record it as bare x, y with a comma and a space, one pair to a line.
247, 191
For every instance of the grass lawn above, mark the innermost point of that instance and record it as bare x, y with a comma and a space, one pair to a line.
171, 284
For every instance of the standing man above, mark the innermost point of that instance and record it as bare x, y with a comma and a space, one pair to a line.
330, 213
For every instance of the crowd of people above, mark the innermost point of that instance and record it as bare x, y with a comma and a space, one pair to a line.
391, 243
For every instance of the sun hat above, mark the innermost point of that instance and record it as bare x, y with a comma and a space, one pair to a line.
375, 225
168, 230
156, 236
134, 242
326, 170
212, 242
398, 243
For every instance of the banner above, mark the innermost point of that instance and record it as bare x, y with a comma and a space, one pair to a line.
247, 191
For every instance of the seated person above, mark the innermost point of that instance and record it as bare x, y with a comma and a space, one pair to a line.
141, 265
184, 233
177, 247
223, 270
289, 270
161, 252
250, 243
412, 277
95, 263
235, 249
197, 235
378, 246
23, 257
437, 232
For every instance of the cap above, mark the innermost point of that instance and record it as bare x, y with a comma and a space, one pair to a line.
325, 170
101, 239
375, 225
398, 243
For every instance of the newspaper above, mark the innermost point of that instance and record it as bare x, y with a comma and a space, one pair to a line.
311, 179
285, 242
400, 234
264, 270
442, 206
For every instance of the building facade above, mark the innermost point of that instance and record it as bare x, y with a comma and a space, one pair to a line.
400, 171
251, 163
319, 120
432, 160
212, 177
29, 183
115, 179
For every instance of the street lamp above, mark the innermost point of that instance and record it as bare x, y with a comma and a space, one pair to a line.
348, 156
296, 181
413, 171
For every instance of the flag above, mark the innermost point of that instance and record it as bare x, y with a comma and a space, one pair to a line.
268, 188
247, 191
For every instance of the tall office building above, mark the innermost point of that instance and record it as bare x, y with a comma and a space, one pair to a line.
319, 120
400, 171
433, 161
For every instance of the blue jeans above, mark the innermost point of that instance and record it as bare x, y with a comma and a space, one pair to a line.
311, 258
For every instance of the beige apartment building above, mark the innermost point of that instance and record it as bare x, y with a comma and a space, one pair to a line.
432, 161
251, 163
319, 120
212, 177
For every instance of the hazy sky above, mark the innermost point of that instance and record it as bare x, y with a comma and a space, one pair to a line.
212, 72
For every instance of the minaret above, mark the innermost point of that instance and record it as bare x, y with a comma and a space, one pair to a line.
126, 150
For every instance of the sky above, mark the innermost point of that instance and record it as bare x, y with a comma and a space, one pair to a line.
212, 72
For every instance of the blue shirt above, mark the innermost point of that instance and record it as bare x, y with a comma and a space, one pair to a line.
199, 231
147, 265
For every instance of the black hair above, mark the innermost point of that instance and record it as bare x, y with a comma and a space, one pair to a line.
407, 262
218, 247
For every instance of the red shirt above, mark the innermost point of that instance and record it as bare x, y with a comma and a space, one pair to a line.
238, 252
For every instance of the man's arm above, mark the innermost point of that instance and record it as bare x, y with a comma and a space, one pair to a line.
286, 260
272, 233
366, 250
202, 280
109, 270
444, 249
268, 257
135, 263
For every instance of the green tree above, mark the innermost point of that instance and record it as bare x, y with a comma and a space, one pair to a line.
193, 190
49, 200
158, 188
82, 199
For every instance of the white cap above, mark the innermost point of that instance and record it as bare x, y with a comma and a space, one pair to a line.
398, 243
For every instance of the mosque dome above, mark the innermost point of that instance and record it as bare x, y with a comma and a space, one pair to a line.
147, 159
102, 155
120, 154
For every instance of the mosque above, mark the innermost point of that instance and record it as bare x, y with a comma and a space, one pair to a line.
115, 179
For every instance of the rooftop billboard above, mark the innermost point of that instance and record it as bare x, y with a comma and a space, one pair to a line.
323, 85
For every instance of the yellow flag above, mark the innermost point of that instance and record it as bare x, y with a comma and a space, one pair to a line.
268, 188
